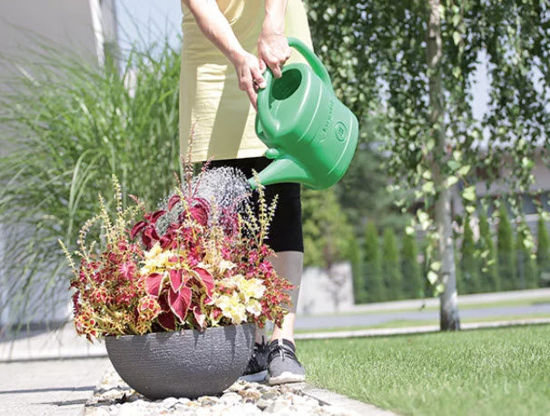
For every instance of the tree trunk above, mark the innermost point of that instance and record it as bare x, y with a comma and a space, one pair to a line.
449, 319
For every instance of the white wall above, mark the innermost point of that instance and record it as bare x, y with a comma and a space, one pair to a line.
81, 26
321, 293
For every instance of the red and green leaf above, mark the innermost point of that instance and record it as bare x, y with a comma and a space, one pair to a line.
173, 201
137, 228
179, 302
200, 317
153, 284
167, 320
176, 279
205, 278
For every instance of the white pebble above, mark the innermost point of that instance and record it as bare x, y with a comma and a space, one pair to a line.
169, 402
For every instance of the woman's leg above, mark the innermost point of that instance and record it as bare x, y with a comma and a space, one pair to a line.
286, 239
284, 236
288, 264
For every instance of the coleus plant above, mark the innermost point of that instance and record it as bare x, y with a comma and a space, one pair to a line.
194, 263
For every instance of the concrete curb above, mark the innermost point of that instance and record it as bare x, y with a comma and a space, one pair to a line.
380, 332
340, 401
432, 302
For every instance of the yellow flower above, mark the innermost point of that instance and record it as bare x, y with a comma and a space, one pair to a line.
231, 307
249, 288
225, 265
157, 260
254, 307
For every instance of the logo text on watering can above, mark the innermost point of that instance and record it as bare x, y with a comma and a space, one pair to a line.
328, 123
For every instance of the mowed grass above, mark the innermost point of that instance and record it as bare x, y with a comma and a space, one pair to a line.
484, 372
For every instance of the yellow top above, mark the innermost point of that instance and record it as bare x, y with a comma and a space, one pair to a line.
211, 103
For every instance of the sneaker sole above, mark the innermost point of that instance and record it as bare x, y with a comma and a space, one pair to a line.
254, 378
286, 377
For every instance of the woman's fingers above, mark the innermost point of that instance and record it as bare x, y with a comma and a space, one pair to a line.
274, 63
249, 73
276, 68
257, 77
246, 84
262, 65
273, 49
253, 97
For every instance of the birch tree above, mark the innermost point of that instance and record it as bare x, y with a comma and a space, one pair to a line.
415, 61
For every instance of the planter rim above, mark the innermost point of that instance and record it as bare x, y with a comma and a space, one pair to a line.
178, 331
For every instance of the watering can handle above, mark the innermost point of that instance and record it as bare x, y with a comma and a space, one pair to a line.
311, 59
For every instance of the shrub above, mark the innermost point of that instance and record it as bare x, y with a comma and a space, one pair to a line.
391, 268
373, 273
489, 278
505, 251
543, 252
526, 264
410, 268
358, 270
468, 264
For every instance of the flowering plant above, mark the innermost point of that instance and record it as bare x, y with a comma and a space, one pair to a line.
198, 261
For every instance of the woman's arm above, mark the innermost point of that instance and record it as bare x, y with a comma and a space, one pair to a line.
273, 49
216, 28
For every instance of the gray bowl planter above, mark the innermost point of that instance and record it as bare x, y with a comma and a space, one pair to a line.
185, 363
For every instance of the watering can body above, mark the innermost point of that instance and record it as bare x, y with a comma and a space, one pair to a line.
310, 134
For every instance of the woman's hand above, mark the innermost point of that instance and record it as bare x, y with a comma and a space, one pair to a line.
249, 72
273, 50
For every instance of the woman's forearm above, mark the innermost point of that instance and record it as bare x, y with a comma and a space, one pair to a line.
273, 48
215, 27
274, 20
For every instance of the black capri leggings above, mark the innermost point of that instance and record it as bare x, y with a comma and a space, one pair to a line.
285, 231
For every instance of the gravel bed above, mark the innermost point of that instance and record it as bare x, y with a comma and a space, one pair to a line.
113, 397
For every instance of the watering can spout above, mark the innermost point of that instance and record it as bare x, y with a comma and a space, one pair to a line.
280, 170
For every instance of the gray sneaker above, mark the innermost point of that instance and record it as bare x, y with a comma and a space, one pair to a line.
282, 364
256, 370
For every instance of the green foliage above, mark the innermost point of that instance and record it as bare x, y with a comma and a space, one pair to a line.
458, 270
425, 82
358, 270
362, 191
527, 275
489, 277
376, 290
468, 263
326, 230
505, 251
391, 268
67, 126
410, 268
543, 252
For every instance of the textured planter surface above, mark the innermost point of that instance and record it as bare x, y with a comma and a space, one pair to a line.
186, 363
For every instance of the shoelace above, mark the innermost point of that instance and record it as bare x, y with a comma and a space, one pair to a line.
259, 348
284, 351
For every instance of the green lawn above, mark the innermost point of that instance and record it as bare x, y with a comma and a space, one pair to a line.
484, 372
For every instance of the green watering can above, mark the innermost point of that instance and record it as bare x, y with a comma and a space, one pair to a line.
311, 135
